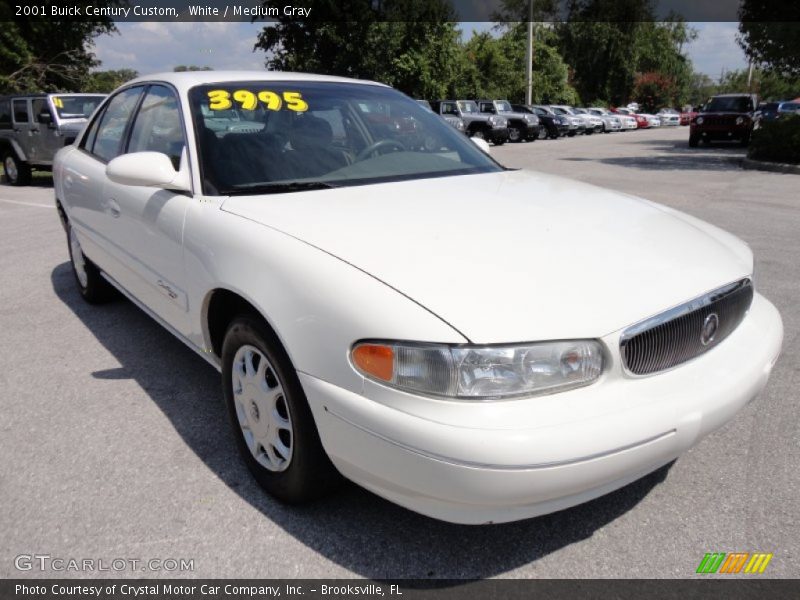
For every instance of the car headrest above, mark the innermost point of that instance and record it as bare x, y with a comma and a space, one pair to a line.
309, 132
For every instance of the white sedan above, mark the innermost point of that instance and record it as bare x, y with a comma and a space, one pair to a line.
386, 302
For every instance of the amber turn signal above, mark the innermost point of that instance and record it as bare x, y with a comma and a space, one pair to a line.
376, 360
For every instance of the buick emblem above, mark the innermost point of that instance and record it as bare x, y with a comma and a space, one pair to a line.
709, 330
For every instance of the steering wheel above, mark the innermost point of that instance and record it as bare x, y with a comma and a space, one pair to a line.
372, 148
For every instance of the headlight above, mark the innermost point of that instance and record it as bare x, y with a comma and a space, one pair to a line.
739, 120
480, 372
531, 119
496, 121
699, 120
460, 125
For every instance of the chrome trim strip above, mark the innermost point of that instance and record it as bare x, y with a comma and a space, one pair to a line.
209, 357
674, 343
479, 465
683, 309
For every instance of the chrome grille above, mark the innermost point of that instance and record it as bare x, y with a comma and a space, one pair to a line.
686, 331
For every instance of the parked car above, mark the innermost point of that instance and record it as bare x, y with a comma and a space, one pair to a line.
553, 126
376, 311
611, 122
669, 117
453, 120
33, 127
522, 126
492, 128
575, 124
772, 111
687, 114
724, 117
641, 121
594, 124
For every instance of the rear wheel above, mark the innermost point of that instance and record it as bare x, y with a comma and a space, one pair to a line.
16, 171
91, 284
273, 425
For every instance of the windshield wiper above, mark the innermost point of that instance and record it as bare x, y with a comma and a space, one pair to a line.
279, 188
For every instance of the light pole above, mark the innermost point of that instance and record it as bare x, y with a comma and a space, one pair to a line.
529, 57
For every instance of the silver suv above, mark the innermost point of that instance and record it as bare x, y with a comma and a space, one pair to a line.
33, 127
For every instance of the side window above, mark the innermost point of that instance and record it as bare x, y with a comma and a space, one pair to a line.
39, 106
108, 140
5, 114
21, 111
448, 109
158, 127
91, 133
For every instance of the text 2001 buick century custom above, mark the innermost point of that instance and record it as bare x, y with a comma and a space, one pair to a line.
385, 300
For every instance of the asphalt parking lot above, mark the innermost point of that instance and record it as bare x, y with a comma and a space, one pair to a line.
115, 444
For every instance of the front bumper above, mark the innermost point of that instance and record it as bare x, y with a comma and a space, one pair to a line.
490, 462
497, 134
720, 132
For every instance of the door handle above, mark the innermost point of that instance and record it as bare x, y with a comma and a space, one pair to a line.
113, 209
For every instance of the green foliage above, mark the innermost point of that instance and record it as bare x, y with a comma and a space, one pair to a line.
47, 55
769, 85
412, 45
769, 33
606, 56
777, 141
654, 91
108, 81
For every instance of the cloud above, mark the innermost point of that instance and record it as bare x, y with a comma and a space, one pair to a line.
716, 49
151, 47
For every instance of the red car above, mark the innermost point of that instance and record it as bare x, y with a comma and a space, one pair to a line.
641, 122
687, 116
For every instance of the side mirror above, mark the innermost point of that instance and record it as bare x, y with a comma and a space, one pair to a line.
45, 118
481, 143
149, 169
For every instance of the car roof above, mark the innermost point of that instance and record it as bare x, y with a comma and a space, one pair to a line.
741, 95
185, 80
46, 94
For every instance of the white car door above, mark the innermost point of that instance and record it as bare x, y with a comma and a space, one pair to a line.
84, 179
148, 227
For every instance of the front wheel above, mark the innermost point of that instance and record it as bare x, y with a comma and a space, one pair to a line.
514, 134
273, 425
17, 172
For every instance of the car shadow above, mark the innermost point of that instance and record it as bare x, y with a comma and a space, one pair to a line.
353, 528
672, 155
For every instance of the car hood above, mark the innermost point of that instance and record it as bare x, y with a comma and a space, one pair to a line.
515, 255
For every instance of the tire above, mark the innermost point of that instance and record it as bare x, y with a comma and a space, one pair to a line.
16, 172
693, 141
572, 133
514, 135
92, 286
745, 141
272, 422
479, 133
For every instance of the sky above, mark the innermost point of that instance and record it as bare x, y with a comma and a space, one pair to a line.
153, 46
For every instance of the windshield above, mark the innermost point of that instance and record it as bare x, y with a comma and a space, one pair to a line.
425, 104
468, 106
729, 104
76, 107
272, 136
504, 106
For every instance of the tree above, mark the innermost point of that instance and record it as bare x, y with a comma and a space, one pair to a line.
769, 85
108, 81
411, 45
769, 33
499, 66
653, 91
609, 43
47, 55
